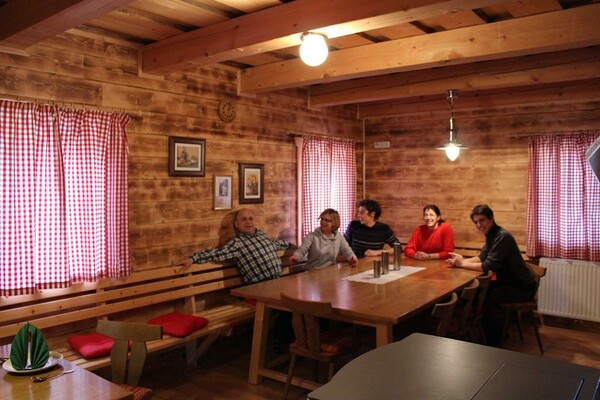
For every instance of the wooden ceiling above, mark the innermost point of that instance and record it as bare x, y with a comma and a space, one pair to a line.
386, 56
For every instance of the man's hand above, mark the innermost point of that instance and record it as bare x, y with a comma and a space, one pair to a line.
455, 260
185, 263
371, 253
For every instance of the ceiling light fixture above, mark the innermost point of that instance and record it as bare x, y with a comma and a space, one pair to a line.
452, 148
313, 50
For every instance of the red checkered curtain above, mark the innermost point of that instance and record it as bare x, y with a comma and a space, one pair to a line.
563, 213
64, 197
328, 180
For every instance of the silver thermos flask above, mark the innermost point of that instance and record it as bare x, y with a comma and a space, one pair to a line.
397, 251
385, 262
376, 268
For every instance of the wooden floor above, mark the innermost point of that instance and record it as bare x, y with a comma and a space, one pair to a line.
222, 374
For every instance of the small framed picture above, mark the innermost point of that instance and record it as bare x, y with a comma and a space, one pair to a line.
252, 182
186, 156
223, 189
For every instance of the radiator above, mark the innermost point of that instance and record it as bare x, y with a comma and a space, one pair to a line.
571, 289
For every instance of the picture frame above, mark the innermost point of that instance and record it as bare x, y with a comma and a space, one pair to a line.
186, 156
252, 179
223, 192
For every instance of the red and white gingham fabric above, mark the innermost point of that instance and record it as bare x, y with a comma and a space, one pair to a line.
64, 197
328, 180
563, 213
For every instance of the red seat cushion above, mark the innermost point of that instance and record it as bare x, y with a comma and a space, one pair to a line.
179, 324
91, 345
250, 301
336, 342
139, 392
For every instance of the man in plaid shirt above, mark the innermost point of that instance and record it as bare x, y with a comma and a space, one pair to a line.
254, 252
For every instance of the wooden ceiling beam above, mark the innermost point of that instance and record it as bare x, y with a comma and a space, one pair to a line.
566, 92
569, 65
24, 23
280, 27
555, 31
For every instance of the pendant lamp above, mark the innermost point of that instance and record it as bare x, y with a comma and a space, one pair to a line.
453, 147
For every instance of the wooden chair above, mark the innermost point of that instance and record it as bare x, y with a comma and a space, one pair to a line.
467, 298
484, 284
311, 342
126, 366
529, 307
443, 312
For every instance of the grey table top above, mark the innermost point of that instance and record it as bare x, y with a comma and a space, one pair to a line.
425, 367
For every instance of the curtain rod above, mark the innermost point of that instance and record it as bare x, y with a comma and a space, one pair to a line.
555, 133
303, 135
84, 106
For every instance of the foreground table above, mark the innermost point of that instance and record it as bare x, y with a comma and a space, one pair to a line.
429, 367
377, 305
81, 384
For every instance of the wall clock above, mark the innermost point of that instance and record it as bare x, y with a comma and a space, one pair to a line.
226, 110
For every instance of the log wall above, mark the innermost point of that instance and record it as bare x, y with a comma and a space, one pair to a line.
170, 217
412, 173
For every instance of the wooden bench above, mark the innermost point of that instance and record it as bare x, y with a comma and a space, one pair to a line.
202, 289
468, 249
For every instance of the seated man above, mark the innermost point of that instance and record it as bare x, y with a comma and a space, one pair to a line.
256, 255
500, 254
257, 258
367, 236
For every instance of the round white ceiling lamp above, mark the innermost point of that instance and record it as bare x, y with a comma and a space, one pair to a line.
314, 50
452, 148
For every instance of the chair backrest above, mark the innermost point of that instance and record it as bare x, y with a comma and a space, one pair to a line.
444, 311
467, 296
538, 273
305, 321
126, 369
484, 284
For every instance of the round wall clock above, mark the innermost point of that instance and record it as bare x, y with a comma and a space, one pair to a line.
226, 110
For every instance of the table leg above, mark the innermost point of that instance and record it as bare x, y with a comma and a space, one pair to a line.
259, 342
383, 335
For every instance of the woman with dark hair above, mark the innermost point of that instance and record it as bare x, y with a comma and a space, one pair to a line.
322, 246
432, 240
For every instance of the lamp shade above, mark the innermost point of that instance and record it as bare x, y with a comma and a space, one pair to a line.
452, 151
313, 50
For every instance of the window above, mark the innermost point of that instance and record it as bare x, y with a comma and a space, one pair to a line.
63, 190
328, 180
563, 218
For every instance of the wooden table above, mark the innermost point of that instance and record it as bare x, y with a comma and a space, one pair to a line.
81, 384
429, 367
378, 306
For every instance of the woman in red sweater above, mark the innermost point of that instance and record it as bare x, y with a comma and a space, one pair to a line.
434, 239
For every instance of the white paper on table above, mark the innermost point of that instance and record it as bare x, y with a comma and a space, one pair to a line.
367, 276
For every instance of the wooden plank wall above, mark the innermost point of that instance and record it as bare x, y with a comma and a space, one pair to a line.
412, 173
170, 217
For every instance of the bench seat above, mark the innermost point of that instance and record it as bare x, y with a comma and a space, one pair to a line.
201, 289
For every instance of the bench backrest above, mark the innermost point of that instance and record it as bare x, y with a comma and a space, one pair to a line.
83, 301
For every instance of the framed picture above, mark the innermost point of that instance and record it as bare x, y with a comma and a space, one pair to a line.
186, 156
252, 182
223, 189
